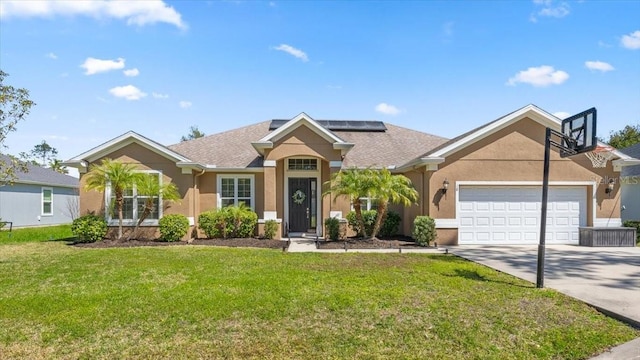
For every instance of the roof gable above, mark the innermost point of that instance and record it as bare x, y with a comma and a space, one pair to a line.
119, 142
530, 111
301, 120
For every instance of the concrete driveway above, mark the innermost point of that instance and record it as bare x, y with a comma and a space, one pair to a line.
606, 278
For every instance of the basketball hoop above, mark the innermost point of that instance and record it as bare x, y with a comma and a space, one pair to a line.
600, 155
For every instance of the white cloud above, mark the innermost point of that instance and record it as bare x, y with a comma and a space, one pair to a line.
160, 96
387, 109
128, 92
561, 114
132, 72
94, 66
599, 65
539, 76
293, 51
631, 41
549, 9
138, 13
52, 56
185, 104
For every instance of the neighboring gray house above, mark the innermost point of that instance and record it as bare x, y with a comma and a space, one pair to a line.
39, 197
630, 186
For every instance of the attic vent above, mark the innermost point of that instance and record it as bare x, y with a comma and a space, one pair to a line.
341, 125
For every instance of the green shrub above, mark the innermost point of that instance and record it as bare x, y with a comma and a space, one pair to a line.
424, 230
332, 226
369, 217
270, 229
89, 228
391, 224
634, 224
173, 227
229, 222
389, 227
207, 222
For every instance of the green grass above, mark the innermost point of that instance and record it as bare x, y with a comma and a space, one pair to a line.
58, 301
35, 234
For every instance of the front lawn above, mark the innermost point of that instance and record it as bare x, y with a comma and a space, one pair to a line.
59, 301
35, 234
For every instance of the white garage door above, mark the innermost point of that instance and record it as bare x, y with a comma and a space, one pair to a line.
511, 215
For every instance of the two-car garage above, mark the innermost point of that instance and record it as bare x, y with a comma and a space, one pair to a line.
511, 214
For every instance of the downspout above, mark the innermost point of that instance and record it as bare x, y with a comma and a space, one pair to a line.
196, 198
426, 196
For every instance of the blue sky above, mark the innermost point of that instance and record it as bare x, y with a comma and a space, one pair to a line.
98, 69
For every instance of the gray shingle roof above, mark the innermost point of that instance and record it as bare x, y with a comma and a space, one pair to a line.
43, 176
233, 149
633, 151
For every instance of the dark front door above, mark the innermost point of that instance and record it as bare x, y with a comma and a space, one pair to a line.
300, 196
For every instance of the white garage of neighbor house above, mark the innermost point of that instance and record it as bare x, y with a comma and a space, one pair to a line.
39, 197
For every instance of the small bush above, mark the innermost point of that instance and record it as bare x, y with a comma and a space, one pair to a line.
332, 226
634, 224
89, 228
173, 227
229, 222
390, 225
369, 217
270, 229
424, 230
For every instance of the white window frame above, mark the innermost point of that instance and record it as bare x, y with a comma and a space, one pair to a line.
112, 219
235, 177
366, 200
42, 201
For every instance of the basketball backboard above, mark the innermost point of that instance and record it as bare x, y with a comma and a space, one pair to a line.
579, 133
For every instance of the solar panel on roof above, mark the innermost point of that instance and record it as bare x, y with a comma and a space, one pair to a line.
340, 125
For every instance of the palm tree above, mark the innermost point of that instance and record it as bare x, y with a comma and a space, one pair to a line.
115, 175
355, 184
388, 188
56, 165
148, 186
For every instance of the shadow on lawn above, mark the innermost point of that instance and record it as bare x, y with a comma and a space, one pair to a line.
475, 276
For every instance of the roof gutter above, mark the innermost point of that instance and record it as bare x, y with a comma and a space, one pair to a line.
431, 163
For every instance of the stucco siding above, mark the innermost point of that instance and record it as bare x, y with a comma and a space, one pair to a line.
516, 153
22, 205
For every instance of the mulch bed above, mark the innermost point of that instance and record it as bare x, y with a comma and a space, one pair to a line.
352, 243
254, 243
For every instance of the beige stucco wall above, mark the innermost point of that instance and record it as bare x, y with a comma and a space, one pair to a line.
515, 153
302, 141
143, 159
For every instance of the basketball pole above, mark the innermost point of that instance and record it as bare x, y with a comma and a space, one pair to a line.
543, 215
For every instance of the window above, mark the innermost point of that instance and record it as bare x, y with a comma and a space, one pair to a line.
235, 189
47, 201
303, 164
367, 204
133, 205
